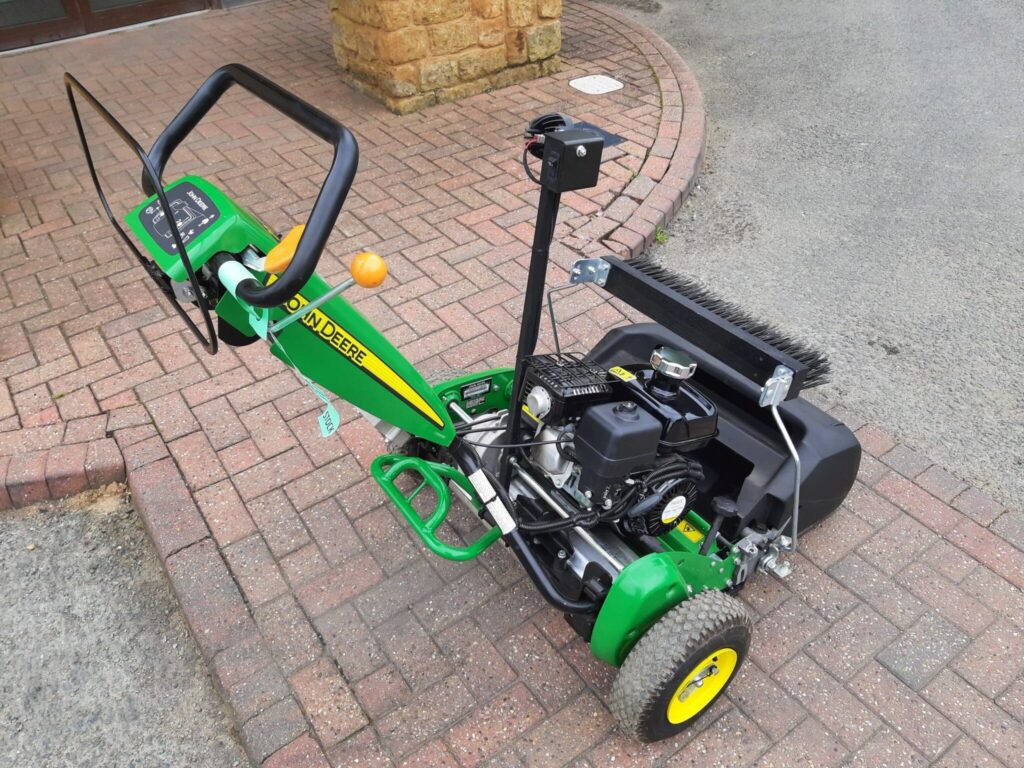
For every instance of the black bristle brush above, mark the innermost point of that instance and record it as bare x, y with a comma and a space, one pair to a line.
818, 367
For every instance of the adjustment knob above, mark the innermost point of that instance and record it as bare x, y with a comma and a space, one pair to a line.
672, 363
725, 507
368, 269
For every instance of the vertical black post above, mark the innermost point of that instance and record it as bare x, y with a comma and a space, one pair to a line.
533, 306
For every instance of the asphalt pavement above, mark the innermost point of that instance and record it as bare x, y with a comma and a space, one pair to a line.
864, 189
97, 666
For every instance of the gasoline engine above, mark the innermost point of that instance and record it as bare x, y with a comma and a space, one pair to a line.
619, 443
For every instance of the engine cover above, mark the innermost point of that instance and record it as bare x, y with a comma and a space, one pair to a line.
571, 383
611, 441
759, 464
689, 419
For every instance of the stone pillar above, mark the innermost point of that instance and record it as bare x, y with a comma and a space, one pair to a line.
410, 54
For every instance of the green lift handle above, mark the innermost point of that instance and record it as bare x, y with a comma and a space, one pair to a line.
386, 470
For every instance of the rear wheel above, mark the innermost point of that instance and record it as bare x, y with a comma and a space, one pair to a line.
681, 666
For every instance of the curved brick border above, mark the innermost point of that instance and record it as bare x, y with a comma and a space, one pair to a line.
670, 170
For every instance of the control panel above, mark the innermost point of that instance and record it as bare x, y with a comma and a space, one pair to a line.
192, 210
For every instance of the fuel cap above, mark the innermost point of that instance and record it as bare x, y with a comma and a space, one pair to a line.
672, 363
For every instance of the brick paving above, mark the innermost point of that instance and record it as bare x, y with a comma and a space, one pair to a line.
335, 638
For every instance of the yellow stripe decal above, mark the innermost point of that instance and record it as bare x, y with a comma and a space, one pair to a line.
336, 336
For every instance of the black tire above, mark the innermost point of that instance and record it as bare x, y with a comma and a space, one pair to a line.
683, 639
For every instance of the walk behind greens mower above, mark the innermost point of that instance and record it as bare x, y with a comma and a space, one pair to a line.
640, 485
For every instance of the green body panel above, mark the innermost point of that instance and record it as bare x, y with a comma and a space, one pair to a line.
677, 540
386, 470
230, 310
333, 345
339, 349
647, 589
232, 232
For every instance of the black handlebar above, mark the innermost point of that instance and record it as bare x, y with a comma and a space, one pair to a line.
328, 202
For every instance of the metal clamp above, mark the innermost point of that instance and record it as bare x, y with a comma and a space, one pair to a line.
590, 271
774, 391
583, 271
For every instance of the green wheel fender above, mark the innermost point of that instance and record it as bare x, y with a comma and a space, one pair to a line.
647, 589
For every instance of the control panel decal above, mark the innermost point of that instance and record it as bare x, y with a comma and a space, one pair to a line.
193, 212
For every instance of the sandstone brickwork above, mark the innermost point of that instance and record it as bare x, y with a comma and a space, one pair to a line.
410, 54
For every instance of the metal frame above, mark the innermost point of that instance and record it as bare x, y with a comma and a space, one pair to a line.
533, 308
153, 177
321, 219
773, 394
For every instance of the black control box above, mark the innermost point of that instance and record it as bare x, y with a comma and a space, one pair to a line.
572, 160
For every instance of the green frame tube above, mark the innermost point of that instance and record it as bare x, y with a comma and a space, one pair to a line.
386, 470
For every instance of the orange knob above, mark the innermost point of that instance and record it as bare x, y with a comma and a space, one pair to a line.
369, 269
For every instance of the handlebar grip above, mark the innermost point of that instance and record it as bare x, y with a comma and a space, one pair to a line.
332, 194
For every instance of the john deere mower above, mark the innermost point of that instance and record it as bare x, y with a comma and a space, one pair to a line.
640, 484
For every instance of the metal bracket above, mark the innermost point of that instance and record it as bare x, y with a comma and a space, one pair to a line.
747, 555
773, 394
590, 271
771, 561
252, 259
183, 291
394, 437
774, 391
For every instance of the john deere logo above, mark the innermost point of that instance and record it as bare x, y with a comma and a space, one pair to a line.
332, 334
328, 330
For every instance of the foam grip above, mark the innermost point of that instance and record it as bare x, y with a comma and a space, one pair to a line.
369, 269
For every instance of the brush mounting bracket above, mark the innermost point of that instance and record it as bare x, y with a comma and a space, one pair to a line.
589, 271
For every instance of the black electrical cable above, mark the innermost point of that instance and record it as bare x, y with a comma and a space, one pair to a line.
559, 524
544, 526
549, 526
526, 166
526, 444
469, 463
667, 473
471, 430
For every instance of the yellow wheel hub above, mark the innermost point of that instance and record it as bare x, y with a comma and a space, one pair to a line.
699, 688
